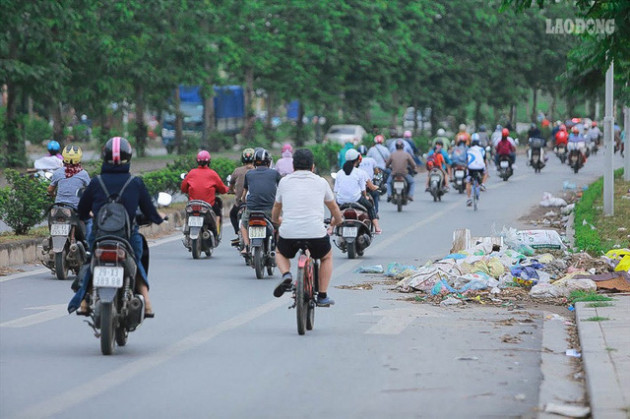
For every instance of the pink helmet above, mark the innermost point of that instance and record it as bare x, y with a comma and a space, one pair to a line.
379, 139
407, 134
287, 147
203, 158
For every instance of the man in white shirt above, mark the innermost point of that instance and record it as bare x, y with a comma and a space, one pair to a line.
300, 198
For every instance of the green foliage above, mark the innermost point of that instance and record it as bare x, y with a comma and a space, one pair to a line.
37, 130
164, 180
596, 319
600, 304
325, 155
24, 202
223, 166
581, 295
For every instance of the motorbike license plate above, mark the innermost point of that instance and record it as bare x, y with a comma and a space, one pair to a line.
59, 229
349, 231
195, 221
108, 276
504, 164
459, 173
435, 178
399, 185
257, 232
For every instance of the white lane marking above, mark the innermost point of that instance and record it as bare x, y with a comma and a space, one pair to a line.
85, 391
23, 274
394, 321
51, 312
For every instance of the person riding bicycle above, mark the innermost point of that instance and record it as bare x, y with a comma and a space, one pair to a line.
67, 180
505, 147
237, 180
203, 184
401, 162
476, 167
284, 165
300, 200
440, 159
53, 161
259, 191
115, 174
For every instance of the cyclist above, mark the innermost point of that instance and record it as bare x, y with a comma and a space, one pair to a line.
476, 167
301, 198
237, 180
259, 191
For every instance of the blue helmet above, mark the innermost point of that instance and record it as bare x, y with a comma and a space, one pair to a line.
475, 138
53, 147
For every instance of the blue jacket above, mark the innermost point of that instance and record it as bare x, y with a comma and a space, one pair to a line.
135, 195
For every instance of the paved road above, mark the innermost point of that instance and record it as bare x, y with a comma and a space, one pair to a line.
222, 346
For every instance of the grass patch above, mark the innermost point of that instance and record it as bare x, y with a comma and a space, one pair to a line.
605, 234
596, 319
599, 304
609, 349
34, 233
579, 295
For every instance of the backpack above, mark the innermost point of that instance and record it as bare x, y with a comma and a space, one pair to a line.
112, 218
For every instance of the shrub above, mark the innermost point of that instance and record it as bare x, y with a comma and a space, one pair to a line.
24, 202
164, 180
325, 155
223, 166
37, 130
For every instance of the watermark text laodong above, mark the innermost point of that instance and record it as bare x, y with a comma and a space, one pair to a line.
579, 26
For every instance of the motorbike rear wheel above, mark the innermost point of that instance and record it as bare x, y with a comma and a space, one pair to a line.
270, 269
399, 205
352, 249
61, 270
259, 263
121, 335
196, 248
108, 317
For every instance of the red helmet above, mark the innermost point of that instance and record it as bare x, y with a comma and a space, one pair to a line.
430, 164
561, 135
594, 123
203, 158
575, 129
379, 139
505, 132
563, 128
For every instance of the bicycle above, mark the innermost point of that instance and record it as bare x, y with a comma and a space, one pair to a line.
305, 290
476, 188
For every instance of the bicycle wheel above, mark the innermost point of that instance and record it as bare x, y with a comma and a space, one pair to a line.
475, 195
301, 301
310, 310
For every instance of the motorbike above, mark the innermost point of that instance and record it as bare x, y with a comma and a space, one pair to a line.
459, 175
561, 152
62, 252
505, 167
262, 244
355, 232
536, 154
436, 180
575, 160
400, 190
115, 308
202, 233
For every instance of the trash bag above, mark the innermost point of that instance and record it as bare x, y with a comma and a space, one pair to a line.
397, 269
372, 269
442, 287
620, 258
551, 201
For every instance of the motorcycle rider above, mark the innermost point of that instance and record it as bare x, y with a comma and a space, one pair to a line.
237, 179
594, 133
351, 186
203, 184
53, 161
441, 136
458, 153
462, 135
561, 136
532, 134
284, 166
505, 147
442, 161
576, 142
300, 199
476, 167
259, 191
484, 139
341, 156
368, 165
66, 181
401, 162
114, 174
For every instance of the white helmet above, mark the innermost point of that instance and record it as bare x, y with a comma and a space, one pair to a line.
441, 132
462, 127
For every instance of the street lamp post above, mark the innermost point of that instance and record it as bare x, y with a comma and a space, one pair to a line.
609, 185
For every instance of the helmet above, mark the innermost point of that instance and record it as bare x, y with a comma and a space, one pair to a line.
117, 150
575, 129
557, 123
287, 147
462, 127
407, 134
533, 126
430, 165
475, 138
203, 158
72, 154
399, 144
563, 127
498, 128
262, 157
594, 123
482, 128
362, 150
379, 139
561, 135
247, 156
441, 132
53, 147
352, 154
505, 132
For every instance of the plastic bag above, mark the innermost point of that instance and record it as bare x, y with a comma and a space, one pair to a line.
551, 201
621, 255
396, 269
373, 269
442, 287
540, 239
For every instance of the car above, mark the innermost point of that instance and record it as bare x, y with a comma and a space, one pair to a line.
342, 134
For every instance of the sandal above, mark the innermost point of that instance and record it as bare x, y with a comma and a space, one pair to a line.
378, 231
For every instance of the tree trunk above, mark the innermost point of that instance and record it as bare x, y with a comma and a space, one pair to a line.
300, 137
534, 104
395, 97
14, 155
179, 123
58, 124
434, 121
249, 91
570, 105
477, 114
552, 109
209, 125
141, 128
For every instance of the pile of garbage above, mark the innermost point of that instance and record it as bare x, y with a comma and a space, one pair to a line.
557, 209
533, 260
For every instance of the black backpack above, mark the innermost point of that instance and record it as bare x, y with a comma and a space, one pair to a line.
112, 218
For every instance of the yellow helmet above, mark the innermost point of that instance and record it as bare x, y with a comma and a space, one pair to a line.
72, 154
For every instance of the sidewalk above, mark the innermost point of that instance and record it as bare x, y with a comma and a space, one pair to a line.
604, 334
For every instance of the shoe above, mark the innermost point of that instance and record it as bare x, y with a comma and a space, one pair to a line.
410, 198
325, 302
84, 309
482, 187
149, 314
469, 203
389, 199
427, 189
283, 286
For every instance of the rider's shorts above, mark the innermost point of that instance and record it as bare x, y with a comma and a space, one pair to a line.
478, 172
318, 247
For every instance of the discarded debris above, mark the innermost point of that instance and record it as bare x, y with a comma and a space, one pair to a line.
573, 353
568, 410
373, 269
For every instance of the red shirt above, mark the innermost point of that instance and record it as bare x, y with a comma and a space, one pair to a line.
504, 147
561, 138
203, 183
